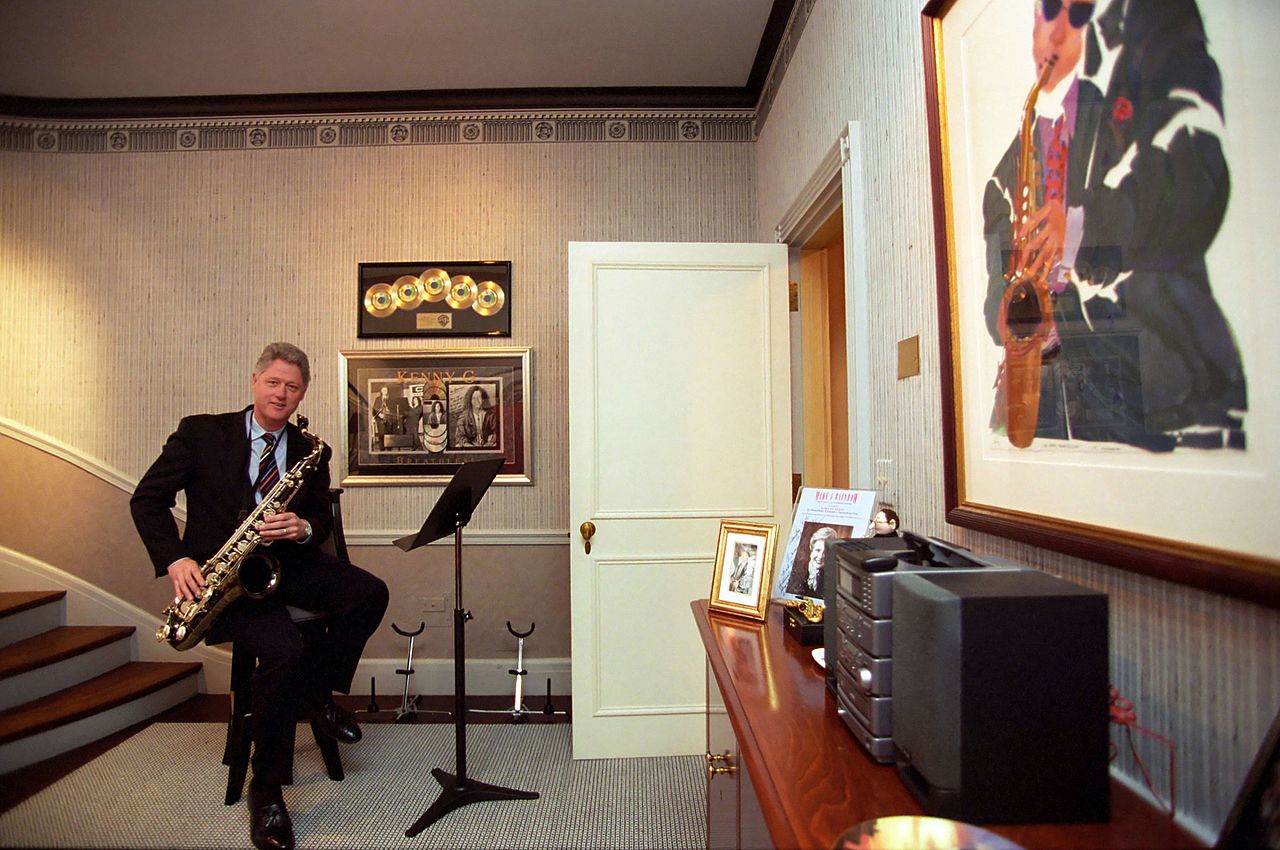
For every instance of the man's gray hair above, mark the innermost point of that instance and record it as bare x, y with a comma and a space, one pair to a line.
287, 352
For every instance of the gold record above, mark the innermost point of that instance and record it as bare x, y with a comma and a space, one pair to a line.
489, 298
462, 294
407, 292
379, 302
434, 284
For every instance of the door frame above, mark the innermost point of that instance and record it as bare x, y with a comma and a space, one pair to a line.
838, 183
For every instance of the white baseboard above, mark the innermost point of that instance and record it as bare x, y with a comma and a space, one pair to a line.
90, 605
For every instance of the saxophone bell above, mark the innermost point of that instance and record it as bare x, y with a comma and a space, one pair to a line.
259, 574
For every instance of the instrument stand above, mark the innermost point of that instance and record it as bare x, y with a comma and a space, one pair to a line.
453, 511
408, 711
373, 707
519, 711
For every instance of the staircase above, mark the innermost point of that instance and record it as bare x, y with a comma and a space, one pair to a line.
65, 686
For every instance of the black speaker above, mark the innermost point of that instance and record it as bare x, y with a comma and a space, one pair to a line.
1000, 703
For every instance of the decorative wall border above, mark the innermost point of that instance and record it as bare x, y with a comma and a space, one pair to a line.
330, 131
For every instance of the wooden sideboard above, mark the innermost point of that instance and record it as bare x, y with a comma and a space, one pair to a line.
796, 776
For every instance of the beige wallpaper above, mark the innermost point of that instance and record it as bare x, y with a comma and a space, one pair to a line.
1201, 669
138, 287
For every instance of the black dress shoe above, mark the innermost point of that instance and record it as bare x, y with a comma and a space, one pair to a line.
271, 828
335, 721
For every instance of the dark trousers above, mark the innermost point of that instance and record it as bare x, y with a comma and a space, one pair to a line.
291, 670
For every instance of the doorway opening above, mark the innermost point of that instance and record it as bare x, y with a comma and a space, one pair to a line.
824, 395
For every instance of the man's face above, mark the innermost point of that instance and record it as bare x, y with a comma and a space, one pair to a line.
1058, 38
277, 392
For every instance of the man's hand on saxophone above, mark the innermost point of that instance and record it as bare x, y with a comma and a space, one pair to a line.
188, 580
284, 526
1043, 237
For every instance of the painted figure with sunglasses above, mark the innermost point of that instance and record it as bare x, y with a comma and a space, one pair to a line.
1133, 186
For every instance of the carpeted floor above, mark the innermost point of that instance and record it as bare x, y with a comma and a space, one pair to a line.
163, 788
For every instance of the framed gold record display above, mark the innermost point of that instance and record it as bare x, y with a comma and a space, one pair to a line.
434, 299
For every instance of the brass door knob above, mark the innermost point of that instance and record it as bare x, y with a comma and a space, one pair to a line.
587, 530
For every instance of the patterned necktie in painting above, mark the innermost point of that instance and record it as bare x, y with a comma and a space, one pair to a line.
268, 472
1055, 164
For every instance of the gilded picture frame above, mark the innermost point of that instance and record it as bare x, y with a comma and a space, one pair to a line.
743, 572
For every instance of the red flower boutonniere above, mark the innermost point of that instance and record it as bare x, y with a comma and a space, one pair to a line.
1122, 111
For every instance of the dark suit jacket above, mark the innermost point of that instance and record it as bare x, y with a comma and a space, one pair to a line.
208, 458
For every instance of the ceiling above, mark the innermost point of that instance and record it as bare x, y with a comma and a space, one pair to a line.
81, 58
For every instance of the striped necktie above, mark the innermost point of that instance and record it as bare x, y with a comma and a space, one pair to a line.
268, 472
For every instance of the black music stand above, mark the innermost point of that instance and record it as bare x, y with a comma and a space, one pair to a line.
451, 513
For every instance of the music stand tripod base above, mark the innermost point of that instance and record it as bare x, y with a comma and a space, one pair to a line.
452, 796
451, 513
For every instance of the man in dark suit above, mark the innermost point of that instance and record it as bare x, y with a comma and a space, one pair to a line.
1131, 191
225, 463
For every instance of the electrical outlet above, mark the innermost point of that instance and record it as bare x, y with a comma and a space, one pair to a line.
432, 604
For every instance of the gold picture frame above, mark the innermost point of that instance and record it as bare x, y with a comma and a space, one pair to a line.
743, 573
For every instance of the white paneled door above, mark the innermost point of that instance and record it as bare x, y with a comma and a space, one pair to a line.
679, 403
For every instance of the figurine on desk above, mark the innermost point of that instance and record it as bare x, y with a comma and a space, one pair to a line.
885, 524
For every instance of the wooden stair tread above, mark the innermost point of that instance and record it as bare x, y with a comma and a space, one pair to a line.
14, 601
119, 686
56, 645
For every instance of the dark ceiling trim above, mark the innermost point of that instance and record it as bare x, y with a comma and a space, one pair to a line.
454, 100
227, 106
774, 29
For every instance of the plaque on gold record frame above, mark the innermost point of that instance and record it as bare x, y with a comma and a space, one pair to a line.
434, 298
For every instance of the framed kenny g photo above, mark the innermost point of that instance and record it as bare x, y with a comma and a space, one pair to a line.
744, 568
1103, 194
414, 417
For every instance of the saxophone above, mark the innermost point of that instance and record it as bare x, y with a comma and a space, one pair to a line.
1026, 310
242, 565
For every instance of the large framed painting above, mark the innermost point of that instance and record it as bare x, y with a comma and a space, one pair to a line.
1103, 185
414, 417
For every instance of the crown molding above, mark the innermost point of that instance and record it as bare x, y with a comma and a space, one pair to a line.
375, 129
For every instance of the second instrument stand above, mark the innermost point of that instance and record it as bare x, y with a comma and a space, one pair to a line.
453, 511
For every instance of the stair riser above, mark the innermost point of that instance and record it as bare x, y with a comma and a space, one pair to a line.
45, 745
34, 684
32, 622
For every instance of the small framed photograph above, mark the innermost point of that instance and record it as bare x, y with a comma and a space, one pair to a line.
434, 298
414, 417
744, 568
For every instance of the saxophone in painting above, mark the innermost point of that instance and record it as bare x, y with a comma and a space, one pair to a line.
1026, 311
